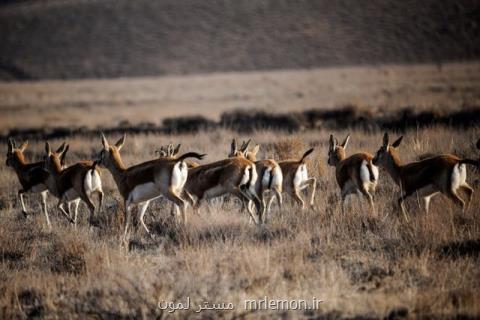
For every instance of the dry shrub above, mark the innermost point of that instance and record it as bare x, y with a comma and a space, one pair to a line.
289, 148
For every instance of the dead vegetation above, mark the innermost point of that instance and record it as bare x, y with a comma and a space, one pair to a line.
360, 266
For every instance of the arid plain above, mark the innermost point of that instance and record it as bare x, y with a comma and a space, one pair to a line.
359, 265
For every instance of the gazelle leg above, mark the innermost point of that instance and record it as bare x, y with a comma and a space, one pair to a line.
143, 208
452, 194
127, 219
344, 201
100, 199
426, 203
44, 207
75, 211
91, 208
256, 200
298, 198
402, 205
249, 204
60, 206
20, 194
278, 195
172, 196
312, 183
469, 191
369, 199
270, 202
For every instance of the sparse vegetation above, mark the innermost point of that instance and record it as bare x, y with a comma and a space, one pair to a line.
359, 265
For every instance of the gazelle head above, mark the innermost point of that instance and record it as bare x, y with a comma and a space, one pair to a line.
14, 154
336, 152
168, 151
110, 154
55, 161
252, 154
387, 155
235, 152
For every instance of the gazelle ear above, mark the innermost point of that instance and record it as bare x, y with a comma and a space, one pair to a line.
170, 150
397, 142
345, 142
48, 150
233, 146
176, 150
10, 145
23, 146
120, 142
385, 139
61, 148
256, 149
104, 142
63, 155
245, 145
331, 142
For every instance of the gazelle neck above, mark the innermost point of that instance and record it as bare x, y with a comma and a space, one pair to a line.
117, 169
394, 168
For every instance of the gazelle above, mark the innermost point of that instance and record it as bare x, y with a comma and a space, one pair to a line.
271, 177
445, 174
295, 179
217, 179
236, 176
171, 151
355, 174
74, 183
31, 176
143, 182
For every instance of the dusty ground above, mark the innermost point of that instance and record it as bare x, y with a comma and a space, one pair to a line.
359, 265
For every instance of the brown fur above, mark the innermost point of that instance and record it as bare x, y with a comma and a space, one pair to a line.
30, 175
73, 177
219, 178
261, 166
434, 172
157, 171
289, 169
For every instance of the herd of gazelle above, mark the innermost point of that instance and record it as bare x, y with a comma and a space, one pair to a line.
240, 175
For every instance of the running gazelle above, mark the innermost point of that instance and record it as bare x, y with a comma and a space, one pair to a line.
146, 181
269, 172
73, 183
445, 174
355, 174
31, 176
295, 179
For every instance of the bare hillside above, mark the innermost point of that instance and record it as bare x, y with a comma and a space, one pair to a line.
112, 38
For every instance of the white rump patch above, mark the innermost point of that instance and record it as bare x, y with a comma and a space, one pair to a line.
277, 180
179, 175
365, 173
253, 180
266, 178
300, 176
459, 176
246, 176
92, 182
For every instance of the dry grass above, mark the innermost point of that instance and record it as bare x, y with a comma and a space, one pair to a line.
106, 103
359, 265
